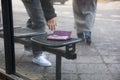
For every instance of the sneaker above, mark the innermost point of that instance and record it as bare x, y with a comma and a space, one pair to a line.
43, 54
85, 36
81, 36
42, 61
88, 37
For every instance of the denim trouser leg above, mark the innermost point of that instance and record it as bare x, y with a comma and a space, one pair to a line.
35, 12
84, 14
36, 15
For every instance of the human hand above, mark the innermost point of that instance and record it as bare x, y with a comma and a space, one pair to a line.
52, 23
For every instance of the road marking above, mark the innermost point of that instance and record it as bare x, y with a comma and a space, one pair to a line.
103, 19
116, 16
99, 15
109, 15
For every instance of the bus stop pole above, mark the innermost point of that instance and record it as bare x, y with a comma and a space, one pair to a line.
8, 36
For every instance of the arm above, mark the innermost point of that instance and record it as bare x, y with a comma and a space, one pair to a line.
48, 9
49, 13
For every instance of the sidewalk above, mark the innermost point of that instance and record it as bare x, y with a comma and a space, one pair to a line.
100, 61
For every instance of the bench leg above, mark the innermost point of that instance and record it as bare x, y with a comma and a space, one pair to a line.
58, 67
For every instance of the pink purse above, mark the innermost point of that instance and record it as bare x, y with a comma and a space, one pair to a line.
60, 35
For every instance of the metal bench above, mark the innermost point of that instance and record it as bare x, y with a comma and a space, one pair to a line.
21, 35
54, 47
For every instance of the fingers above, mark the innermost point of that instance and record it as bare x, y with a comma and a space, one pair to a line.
52, 24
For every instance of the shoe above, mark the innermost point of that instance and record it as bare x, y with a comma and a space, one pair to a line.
44, 55
42, 61
88, 37
85, 36
81, 36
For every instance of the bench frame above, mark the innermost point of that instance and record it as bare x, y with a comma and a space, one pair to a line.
68, 52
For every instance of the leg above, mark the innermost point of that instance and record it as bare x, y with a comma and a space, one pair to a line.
37, 23
36, 14
39, 57
84, 14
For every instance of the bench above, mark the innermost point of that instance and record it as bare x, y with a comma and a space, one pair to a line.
54, 47
21, 34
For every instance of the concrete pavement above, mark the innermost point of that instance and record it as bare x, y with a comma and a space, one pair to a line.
100, 61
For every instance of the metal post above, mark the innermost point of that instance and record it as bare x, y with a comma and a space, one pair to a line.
58, 67
8, 36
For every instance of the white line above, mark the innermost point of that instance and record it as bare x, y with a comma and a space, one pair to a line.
116, 16
99, 15
103, 19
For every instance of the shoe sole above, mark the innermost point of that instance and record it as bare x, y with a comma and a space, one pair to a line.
41, 64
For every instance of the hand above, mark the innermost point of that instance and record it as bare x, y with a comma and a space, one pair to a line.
52, 23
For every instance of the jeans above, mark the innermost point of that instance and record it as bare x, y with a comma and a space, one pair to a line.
35, 12
84, 14
37, 21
